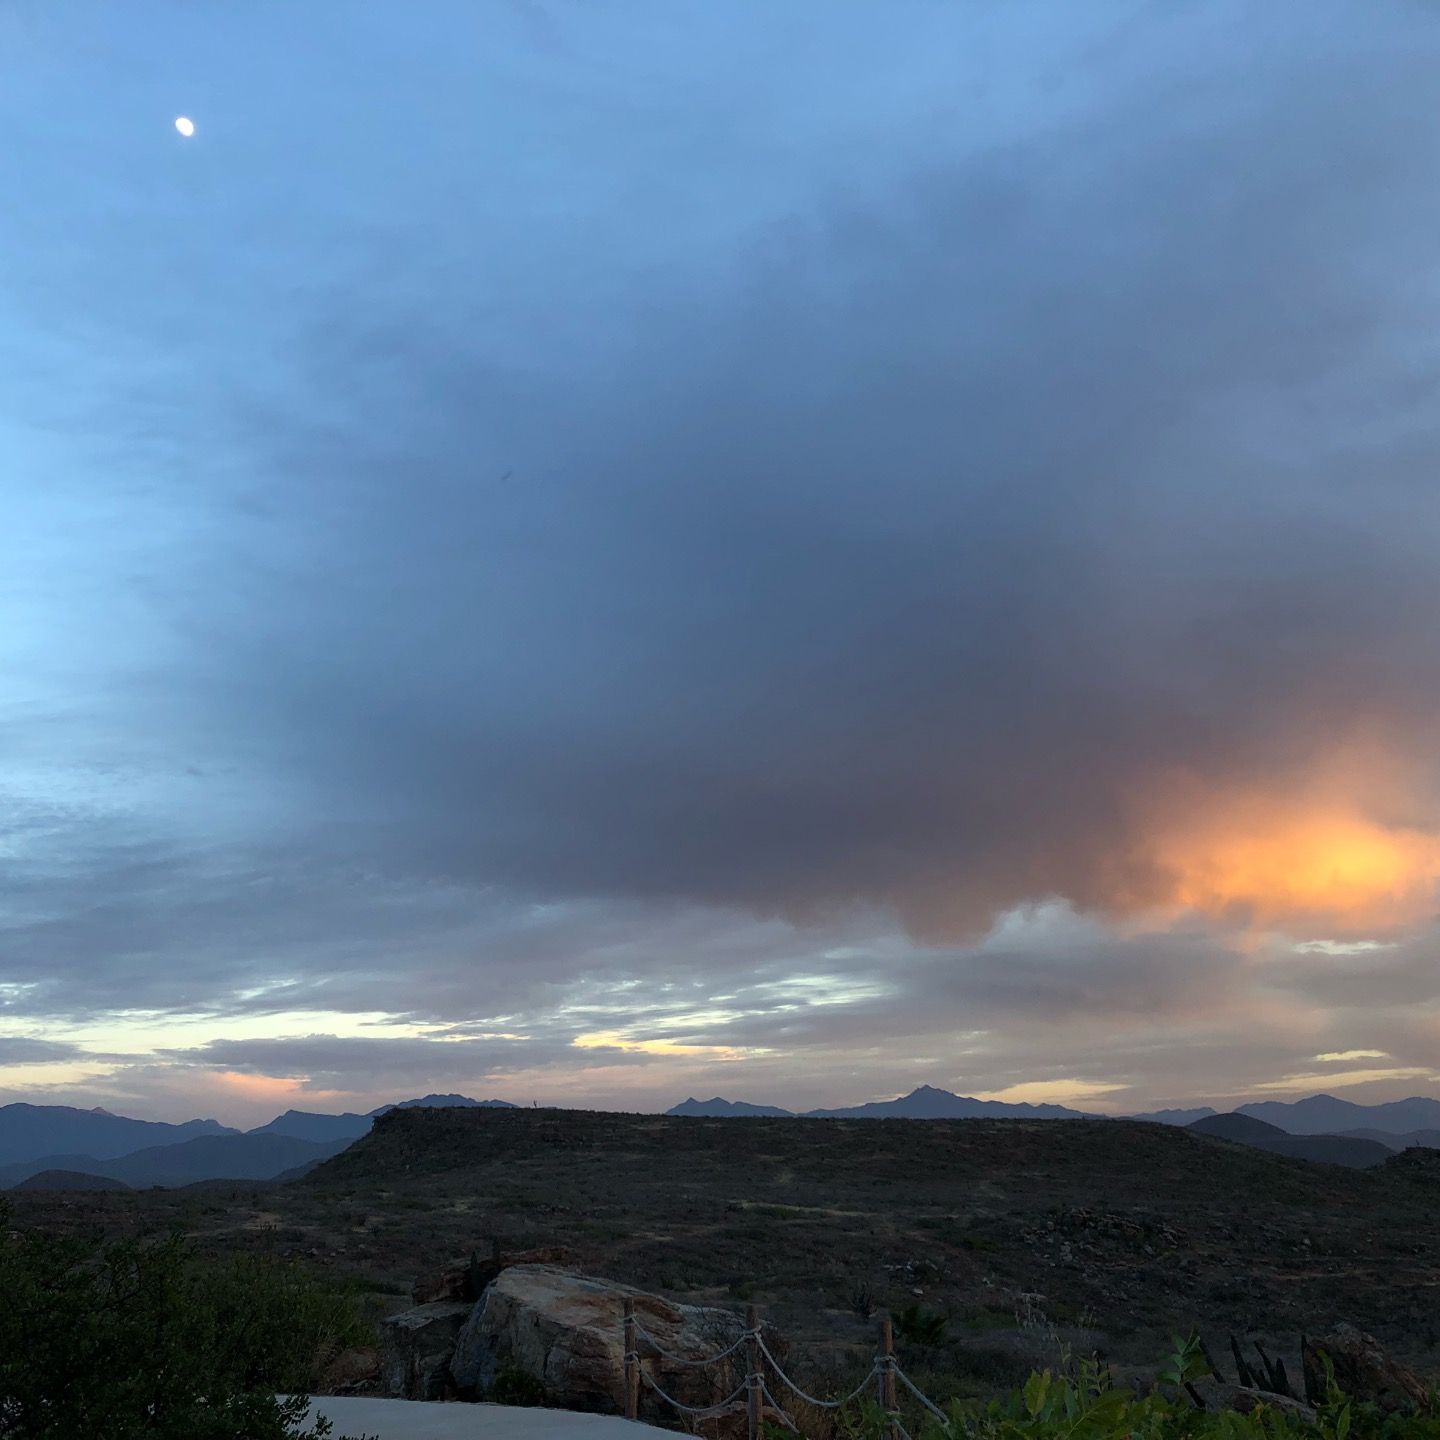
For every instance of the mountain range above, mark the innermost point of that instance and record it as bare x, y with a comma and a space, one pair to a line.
1400, 1120
57, 1146
1244, 1129
924, 1103
40, 1139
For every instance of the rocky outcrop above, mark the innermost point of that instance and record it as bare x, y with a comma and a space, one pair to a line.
416, 1348
467, 1279
566, 1331
1362, 1370
455, 1282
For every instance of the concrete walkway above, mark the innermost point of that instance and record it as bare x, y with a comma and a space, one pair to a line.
419, 1420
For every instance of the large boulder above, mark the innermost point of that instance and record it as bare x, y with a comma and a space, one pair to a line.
416, 1346
1362, 1369
467, 1279
567, 1331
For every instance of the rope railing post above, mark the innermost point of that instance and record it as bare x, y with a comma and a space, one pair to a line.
885, 1374
632, 1363
754, 1376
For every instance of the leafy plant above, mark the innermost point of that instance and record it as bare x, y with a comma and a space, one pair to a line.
1187, 1362
130, 1339
1084, 1406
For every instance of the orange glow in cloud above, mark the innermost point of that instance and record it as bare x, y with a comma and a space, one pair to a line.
1317, 857
274, 1088
1340, 866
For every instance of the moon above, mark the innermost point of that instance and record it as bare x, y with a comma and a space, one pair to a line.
185, 125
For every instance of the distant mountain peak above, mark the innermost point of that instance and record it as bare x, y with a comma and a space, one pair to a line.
445, 1102
717, 1107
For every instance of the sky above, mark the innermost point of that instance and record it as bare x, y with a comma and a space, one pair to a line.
593, 554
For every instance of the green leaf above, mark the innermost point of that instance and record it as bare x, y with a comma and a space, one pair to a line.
1036, 1389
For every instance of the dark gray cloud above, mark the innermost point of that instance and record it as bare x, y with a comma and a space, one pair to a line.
27, 1050
898, 565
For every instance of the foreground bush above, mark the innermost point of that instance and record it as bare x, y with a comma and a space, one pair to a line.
114, 1341
1083, 1406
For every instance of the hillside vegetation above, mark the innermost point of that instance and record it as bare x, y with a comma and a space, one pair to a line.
1005, 1238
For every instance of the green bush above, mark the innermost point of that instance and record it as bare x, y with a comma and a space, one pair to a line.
1082, 1405
514, 1386
1085, 1407
131, 1339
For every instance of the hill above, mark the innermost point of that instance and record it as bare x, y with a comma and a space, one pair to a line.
28, 1132
1316, 1149
207, 1157
1244, 1129
1096, 1233
70, 1180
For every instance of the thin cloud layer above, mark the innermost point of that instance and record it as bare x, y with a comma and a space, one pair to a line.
944, 532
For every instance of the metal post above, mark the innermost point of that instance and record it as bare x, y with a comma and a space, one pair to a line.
632, 1364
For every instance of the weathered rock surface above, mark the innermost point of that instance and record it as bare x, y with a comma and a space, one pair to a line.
567, 1331
454, 1282
467, 1279
416, 1348
1363, 1370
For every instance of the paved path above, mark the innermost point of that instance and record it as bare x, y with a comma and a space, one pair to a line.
418, 1420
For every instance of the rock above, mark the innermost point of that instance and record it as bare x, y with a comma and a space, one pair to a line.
349, 1372
567, 1331
455, 1282
416, 1347
467, 1279
1363, 1370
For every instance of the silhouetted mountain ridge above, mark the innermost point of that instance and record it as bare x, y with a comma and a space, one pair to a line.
291, 1144
1245, 1129
30, 1131
70, 1180
925, 1102
207, 1157
718, 1107
1328, 1115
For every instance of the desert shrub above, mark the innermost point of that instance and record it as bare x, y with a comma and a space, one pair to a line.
860, 1298
1081, 1404
1085, 1407
130, 1339
514, 1386
917, 1326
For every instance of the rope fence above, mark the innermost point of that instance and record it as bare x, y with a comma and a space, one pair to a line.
754, 1397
